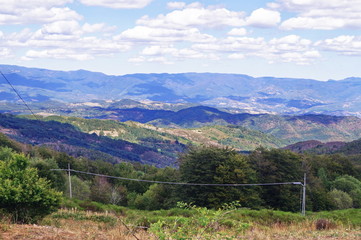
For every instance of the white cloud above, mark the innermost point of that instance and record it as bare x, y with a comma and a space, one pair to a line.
322, 23
150, 34
61, 28
236, 56
195, 16
117, 3
64, 39
290, 48
176, 5
264, 18
290, 43
97, 27
307, 6
300, 58
158, 50
137, 60
10, 5
233, 45
56, 54
5, 52
173, 52
321, 14
237, 32
35, 11
162, 60
344, 45
142, 59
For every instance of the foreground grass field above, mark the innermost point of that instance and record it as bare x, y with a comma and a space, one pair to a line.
188, 223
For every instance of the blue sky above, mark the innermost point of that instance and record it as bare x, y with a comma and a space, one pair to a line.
319, 39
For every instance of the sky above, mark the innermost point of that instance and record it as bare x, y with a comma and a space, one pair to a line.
317, 39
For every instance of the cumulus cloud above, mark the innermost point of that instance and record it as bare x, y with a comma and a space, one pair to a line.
290, 43
195, 16
237, 32
290, 48
321, 14
173, 52
56, 54
5, 52
117, 3
142, 59
64, 39
264, 18
97, 27
61, 28
10, 5
236, 56
344, 45
176, 5
158, 50
35, 11
233, 45
150, 34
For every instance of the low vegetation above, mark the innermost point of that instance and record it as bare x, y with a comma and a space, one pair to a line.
187, 222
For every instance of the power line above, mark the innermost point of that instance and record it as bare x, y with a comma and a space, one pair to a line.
183, 183
17, 93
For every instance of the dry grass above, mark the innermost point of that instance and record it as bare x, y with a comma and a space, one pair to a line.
58, 228
302, 231
70, 229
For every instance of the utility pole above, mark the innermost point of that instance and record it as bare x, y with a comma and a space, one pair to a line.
70, 190
304, 195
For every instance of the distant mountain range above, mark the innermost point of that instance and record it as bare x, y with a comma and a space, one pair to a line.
233, 92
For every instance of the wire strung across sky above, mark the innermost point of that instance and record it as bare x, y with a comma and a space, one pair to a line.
183, 183
17, 93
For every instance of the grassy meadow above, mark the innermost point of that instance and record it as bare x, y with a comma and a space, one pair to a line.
89, 220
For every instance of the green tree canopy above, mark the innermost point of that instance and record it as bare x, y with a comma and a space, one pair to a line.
221, 166
351, 186
277, 166
23, 195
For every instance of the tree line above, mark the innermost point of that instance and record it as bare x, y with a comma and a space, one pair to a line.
333, 181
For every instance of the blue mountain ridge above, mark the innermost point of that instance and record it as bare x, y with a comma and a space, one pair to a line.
236, 92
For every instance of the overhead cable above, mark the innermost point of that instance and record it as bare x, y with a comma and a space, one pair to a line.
17, 93
183, 183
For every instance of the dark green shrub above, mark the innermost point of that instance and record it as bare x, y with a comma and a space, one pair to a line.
23, 195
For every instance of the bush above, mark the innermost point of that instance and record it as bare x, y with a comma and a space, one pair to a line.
23, 195
324, 224
341, 199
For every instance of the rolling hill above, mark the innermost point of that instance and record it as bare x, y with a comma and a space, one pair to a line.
236, 92
66, 138
290, 129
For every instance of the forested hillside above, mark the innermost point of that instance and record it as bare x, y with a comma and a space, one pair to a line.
237, 137
290, 129
333, 181
66, 138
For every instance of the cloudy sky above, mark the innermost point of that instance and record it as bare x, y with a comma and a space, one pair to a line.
319, 39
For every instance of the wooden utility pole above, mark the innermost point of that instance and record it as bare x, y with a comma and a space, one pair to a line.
70, 190
304, 195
